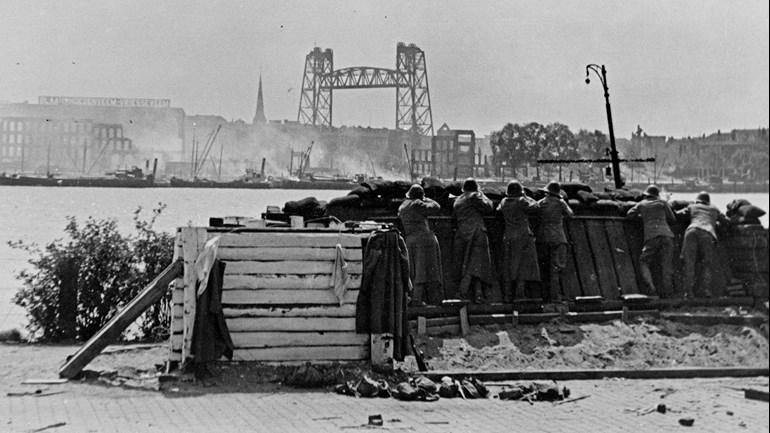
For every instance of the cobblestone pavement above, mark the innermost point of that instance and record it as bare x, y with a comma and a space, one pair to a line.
716, 405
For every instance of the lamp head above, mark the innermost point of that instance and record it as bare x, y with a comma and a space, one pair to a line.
588, 80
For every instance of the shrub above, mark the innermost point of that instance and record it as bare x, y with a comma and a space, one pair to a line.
77, 285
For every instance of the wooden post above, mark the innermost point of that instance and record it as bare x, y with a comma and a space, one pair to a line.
625, 314
193, 239
464, 325
175, 324
515, 318
382, 351
422, 325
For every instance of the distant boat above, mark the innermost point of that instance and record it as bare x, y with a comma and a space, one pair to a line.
131, 178
250, 180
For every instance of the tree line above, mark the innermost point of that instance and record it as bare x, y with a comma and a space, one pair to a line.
521, 145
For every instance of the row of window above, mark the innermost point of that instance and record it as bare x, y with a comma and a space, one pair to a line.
67, 127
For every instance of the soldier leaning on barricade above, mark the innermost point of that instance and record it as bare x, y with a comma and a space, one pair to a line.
424, 253
700, 244
519, 253
658, 247
471, 246
552, 210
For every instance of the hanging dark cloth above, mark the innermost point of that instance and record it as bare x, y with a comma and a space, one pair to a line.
381, 305
211, 338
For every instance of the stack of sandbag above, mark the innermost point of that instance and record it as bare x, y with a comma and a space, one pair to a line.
370, 199
584, 201
308, 208
741, 211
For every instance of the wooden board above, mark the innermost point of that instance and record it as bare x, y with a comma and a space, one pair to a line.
245, 340
296, 253
584, 263
193, 240
288, 239
635, 240
605, 268
110, 332
288, 267
624, 267
285, 282
286, 297
298, 311
304, 353
296, 324
570, 285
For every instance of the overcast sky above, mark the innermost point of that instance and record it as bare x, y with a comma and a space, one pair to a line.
677, 68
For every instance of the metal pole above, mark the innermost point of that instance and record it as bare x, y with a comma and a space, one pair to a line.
613, 149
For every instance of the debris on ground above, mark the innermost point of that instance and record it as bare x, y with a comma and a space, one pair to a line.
535, 391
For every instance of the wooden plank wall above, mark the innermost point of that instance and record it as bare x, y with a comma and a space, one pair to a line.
278, 300
602, 260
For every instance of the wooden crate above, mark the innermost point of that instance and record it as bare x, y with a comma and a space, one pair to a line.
277, 295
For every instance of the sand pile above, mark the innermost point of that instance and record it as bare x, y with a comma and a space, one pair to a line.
655, 344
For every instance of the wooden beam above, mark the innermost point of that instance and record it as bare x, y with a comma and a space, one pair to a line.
331, 324
289, 239
193, 240
286, 297
289, 253
244, 340
304, 353
287, 267
112, 330
285, 282
346, 310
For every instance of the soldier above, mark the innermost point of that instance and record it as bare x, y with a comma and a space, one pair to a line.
658, 246
519, 253
424, 253
700, 244
552, 210
471, 246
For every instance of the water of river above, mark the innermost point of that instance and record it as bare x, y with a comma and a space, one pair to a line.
37, 214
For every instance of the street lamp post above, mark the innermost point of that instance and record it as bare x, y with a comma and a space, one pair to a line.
601, 72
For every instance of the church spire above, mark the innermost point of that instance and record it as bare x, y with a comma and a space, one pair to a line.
259, 115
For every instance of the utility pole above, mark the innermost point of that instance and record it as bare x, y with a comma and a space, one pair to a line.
601, 72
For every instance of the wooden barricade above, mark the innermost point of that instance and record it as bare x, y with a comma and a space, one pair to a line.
278, 297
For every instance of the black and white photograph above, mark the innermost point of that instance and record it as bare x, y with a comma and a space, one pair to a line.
419, 216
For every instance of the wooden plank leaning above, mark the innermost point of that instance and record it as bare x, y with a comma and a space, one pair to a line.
112, 330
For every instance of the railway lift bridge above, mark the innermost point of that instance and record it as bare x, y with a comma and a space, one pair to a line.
409, 78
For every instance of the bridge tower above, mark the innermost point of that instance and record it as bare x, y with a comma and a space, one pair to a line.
409, 78
315, 101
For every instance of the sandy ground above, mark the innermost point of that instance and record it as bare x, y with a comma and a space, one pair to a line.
558, 345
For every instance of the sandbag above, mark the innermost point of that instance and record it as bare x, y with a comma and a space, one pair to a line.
431, 182
307, 207
350, 200
587, 197
750, 211
572, 188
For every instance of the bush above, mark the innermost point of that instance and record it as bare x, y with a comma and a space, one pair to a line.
77, 285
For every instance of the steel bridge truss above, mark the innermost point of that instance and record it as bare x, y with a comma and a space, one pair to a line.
410, 79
